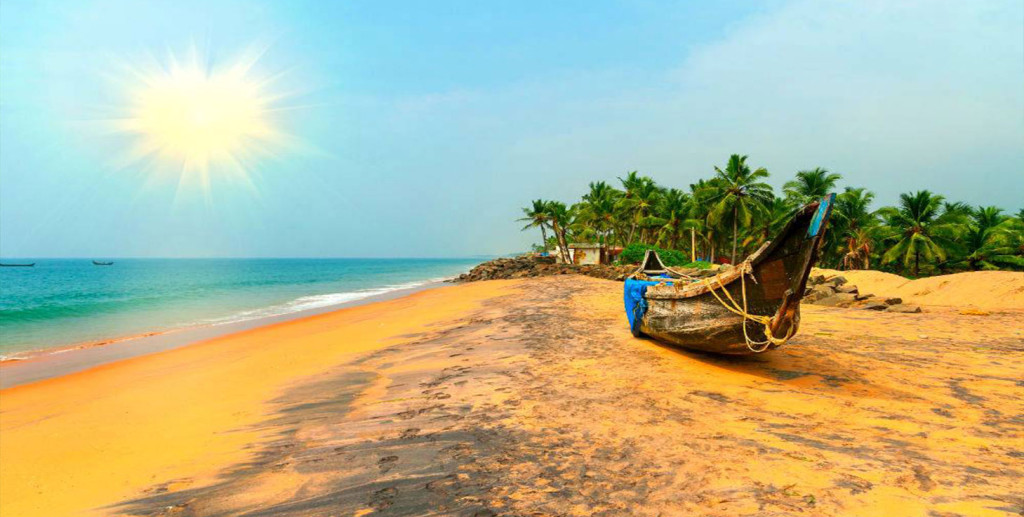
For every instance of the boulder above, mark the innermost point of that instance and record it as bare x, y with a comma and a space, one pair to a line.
908, 309
849, 289
837, 300
817, 293
836, 281
862, 297
893, 300
816, 280
527, 266
875, 306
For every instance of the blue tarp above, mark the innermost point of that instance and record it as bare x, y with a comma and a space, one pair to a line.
633, 296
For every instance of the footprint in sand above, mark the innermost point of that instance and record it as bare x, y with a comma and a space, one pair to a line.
387, 463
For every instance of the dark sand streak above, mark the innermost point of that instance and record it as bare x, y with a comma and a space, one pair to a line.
538, 405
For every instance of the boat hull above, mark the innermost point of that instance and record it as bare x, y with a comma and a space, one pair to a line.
704, 326
690, 315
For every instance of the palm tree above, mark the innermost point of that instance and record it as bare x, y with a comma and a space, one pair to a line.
923, 227
739, 195
860, 243
990, 240
600, 190
777, 213
630, 184
700, 213
649, 199
638, 202
560, 218
957, 209
672, 209
537, 216
854, 224
597, 210
810, 185
916, 230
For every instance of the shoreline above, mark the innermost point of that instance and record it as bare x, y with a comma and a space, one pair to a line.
47, 363
88, 440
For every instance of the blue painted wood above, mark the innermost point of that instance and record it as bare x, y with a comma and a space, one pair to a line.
824, 210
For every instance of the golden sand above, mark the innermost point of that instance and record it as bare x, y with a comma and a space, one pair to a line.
86, 440
531, 397
993, 290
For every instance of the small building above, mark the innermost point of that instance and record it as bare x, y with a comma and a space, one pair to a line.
590, 253
586, 253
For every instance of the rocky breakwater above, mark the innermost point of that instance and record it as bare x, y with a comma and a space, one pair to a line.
836, 291
527, 267
829, 290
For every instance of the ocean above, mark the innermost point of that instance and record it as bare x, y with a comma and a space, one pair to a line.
62, 302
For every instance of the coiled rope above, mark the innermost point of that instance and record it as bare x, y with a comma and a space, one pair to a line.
752, 345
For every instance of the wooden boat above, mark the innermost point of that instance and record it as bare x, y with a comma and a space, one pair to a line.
97, 263
751, 308
18, 265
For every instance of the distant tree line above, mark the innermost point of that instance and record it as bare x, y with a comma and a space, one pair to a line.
730, 214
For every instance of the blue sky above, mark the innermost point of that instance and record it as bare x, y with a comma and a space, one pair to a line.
420, 128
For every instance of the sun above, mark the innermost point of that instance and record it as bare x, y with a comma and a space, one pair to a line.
199, 120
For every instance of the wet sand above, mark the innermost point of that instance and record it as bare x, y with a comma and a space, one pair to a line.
530, 397
38, 365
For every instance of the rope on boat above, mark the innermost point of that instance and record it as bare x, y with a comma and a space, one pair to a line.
754, 346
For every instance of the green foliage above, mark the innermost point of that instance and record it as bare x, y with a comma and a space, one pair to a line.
634, 253
919, 229
734, 210
536, 216
810, 185
700, 264
739, 196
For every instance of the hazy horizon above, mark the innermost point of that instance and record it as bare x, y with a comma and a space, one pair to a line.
414, 129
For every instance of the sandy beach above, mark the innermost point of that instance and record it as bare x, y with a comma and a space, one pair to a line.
274, 258
530, 397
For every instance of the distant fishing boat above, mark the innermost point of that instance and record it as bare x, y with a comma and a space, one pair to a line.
18, 265
750, 308
98, 263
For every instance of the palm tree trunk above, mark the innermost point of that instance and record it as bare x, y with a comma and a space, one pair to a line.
734, 234
693, 245
563, 246
917, 263
544, 236
565, 242
558, 242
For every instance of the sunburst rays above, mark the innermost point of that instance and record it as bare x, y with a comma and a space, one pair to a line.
194, 120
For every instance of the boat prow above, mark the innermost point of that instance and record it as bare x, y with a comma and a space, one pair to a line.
752, 307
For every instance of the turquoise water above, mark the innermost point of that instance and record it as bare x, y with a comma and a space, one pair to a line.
66, 301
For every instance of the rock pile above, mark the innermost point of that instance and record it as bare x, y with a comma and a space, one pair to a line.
527, 266
827, 290
834, 291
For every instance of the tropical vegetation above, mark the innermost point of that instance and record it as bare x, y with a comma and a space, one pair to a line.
724, 217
